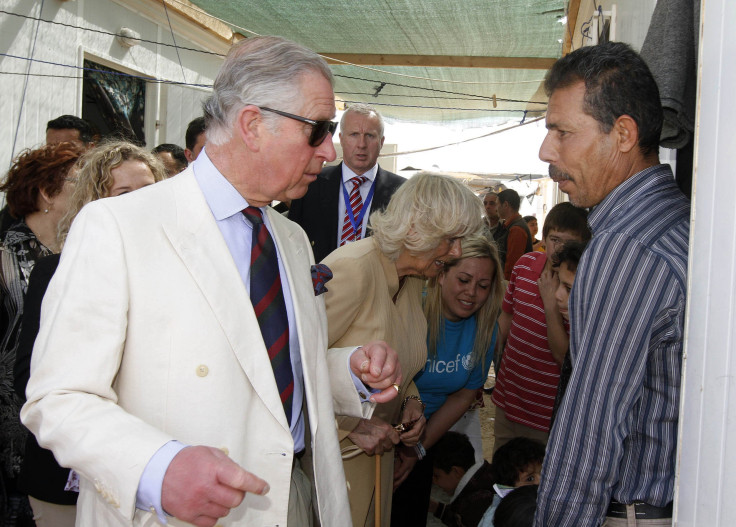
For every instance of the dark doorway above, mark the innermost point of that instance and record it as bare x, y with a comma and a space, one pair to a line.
114, 102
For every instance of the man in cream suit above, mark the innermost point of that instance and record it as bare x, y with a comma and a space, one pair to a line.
150, 375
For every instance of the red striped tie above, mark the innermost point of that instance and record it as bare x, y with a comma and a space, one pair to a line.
356, 203
269, 306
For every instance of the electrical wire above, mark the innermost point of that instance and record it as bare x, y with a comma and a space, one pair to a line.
439, 107
464, 96
166, 10
102, 32
342, 62
435, 97
220, 55
114, 73
163, 81
25, 86
495, 132
478, 97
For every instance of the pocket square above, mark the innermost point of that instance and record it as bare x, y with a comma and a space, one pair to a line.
321, 274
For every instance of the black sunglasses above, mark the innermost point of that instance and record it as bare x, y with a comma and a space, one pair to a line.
320, 129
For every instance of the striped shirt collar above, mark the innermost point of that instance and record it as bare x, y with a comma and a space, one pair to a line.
618, 200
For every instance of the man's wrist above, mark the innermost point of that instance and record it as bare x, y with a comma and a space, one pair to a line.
148, 495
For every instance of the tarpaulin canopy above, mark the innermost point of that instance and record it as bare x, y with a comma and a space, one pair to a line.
420, 60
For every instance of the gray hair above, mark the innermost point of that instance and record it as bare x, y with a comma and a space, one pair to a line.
263, 71
363, 109
426, 210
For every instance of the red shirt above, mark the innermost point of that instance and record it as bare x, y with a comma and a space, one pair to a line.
526, 384
515, 245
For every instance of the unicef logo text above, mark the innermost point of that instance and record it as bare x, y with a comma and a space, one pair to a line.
443, 366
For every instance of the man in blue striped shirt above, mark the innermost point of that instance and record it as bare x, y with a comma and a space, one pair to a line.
611, 453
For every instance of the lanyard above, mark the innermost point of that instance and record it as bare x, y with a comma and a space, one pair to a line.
357, 222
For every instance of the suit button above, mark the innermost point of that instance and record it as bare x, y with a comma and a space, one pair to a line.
202, 370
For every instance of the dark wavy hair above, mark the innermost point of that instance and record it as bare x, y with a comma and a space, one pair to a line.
453, 450
513, 457
617, 82
570, 255
44, 168
566, 217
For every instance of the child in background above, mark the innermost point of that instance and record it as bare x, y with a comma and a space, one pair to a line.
533, 224
469, 483
566, 262
516, 464
533, 335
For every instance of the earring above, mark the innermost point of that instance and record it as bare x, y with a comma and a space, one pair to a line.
45, 211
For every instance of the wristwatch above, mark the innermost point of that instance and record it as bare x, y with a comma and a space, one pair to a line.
419, 449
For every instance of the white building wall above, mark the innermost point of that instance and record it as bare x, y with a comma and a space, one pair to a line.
707, 482
632, 20
169, 108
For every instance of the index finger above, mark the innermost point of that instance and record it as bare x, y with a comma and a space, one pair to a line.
233, 475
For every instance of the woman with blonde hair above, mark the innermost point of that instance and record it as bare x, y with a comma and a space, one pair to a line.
462, 307
376, 294
111, 169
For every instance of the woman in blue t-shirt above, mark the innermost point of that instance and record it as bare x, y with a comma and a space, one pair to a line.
462, 306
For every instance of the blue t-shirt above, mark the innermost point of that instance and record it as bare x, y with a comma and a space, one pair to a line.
453, 367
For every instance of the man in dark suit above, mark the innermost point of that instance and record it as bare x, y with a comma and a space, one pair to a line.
358, 182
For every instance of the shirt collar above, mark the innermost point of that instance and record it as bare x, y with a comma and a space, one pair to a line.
467, 477
223, 199
348, 174
619, 199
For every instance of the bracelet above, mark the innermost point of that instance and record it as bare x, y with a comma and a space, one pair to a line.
419, 449
416, 398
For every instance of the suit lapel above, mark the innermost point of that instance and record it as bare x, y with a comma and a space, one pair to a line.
291, 245
330, 201
195, 237
382, 194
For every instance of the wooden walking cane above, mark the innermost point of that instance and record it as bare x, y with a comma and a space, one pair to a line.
377, 493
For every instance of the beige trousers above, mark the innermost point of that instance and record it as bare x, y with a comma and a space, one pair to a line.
300, 498
47, 514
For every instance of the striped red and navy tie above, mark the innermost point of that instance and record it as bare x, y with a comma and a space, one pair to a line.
356, 204
268, 303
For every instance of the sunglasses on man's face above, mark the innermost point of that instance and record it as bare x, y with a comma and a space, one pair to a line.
320, 129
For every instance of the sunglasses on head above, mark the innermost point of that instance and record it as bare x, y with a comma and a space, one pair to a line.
320, 129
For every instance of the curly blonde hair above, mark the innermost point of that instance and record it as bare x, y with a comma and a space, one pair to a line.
474, 246
94, 178
425, 211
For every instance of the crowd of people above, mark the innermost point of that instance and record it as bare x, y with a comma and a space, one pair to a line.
186, 353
